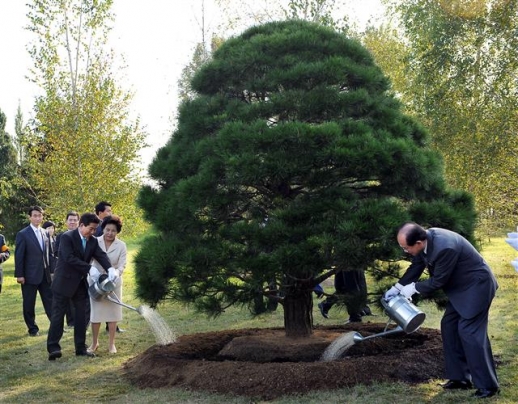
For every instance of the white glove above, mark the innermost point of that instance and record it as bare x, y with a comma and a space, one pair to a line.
392, 292
409, 290
94, 273
113, 274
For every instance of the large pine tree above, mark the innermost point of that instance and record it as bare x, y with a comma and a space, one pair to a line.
292, 162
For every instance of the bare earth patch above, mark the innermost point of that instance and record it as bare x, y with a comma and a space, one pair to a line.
263, 363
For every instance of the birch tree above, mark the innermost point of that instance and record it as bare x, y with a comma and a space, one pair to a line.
84, 145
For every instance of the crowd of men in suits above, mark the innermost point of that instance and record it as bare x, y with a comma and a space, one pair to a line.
57, 270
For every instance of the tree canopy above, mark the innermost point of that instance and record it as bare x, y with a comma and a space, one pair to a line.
458, 77
292, 162
83, 146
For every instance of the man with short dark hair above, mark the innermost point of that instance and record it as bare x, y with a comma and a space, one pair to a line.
32, 269
76, 251
102, 210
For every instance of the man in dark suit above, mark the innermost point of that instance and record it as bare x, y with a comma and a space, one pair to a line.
456, 267
72, 222
31, 268
350, 287
77, 248
102, 210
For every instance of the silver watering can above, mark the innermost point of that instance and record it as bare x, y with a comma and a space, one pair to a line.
405, 314
103, 289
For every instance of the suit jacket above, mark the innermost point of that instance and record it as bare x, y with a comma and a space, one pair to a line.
456, 267
116, 254
73, 264
30, 261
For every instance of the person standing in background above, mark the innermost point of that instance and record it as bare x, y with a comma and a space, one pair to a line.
72, 221
50, 228
4, 256
102, 209
31, 268
350, 287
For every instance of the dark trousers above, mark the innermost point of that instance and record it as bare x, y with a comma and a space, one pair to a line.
29, 293
70, 314
59, 307
467, 350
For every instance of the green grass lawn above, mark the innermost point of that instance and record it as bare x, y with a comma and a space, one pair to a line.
26, 376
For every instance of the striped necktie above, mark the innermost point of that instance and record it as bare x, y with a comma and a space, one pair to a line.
83, 240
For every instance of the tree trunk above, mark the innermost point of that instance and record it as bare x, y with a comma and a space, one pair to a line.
298, 314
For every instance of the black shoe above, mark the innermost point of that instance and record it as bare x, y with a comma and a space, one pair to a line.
323, 310
85, 353
457, 385
486, 393
54, 355
34, 334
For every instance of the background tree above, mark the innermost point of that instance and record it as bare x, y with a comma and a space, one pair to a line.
83, 147
293, 162
13, 188
461, 68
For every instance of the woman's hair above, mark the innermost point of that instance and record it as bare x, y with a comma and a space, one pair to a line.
49, 223
112, 219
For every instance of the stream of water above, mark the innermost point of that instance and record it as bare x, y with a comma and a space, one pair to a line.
163, 334
338, 347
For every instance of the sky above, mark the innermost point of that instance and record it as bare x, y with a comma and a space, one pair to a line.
156, 38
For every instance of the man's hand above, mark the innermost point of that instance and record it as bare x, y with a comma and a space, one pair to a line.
20, 280
94, 273
392, 292
409, 290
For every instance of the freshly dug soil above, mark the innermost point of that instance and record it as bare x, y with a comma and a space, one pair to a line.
263, 363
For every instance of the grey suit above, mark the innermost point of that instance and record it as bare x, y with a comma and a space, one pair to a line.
70, 283
31, 263
457, 268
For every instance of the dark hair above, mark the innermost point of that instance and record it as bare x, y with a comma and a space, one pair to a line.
413, 233
72, 213
87, 218
35, 207
101, 207
113, 219
49, 223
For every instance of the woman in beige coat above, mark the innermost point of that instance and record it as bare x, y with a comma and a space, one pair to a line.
103, 310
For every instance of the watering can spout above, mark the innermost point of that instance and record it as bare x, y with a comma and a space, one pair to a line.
357, 337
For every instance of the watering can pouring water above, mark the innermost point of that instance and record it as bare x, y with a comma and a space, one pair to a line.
103, 289
400, 310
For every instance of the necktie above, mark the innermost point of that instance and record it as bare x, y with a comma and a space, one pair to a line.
83, 240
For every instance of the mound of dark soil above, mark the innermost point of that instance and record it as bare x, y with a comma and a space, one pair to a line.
264, 363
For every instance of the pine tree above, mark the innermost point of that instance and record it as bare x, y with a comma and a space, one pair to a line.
292, 162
